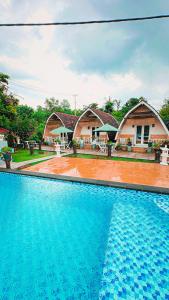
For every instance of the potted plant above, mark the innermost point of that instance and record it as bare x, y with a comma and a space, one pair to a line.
149, 149
119, 146
74, 145
166, 142
156, 147
7, 156
129, 145
58, 141
109, 148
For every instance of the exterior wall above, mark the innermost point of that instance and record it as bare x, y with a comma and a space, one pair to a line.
128, 130
3, 142
2, 137
51, 124
84, 129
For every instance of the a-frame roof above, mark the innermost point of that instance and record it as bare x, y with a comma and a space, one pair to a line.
151, 109
67, 120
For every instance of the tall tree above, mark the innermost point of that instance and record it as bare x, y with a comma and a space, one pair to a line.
25, 124
117, 104
164, 111
25, 111
52, 104
93, 105
3, 82
129, 105
40, 116
109, 106
65, 105
8, 103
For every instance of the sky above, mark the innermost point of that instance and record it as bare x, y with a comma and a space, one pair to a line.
121, 60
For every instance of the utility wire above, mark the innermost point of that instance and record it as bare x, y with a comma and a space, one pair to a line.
85, 22
38, 90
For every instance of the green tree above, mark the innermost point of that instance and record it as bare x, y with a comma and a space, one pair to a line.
24, 128
164, 111
109, 106
94, 105
129, 105
8, 103
40, 116
117, 104
25, 124
118, 115
25, 111
65, 105
52, 104
3, 81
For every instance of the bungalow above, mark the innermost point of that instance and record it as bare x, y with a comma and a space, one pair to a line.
141, 125
82, 126
56, 120
90, 120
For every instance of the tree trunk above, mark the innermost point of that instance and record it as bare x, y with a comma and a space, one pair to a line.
31, 148
8, 164
40, 146
109, 147
7, 158
74, 149
157, 154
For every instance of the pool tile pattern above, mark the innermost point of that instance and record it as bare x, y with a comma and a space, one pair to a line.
71, 241
137, 260
53, 239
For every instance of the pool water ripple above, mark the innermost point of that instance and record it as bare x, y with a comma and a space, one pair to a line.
70, 241
137, 258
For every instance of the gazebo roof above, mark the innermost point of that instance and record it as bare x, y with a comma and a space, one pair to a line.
106, 128
61, 129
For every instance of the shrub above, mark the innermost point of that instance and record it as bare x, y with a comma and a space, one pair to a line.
6, 149
74, 143
119, 146
58, 141
109, 143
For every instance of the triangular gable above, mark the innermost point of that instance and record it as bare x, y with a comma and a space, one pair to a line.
149, 109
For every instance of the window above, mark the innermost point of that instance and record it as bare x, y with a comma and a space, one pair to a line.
138, 134
142, 134
146, 134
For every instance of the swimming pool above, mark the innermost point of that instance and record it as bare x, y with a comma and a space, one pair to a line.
63, 240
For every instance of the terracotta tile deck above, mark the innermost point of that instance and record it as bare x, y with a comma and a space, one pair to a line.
128, 172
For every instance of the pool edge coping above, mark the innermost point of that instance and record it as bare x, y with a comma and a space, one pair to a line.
131, 186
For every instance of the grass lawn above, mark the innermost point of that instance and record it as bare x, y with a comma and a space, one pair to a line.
24, 154
33, 164
80, 155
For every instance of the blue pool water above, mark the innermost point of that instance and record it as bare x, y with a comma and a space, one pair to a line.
69, 241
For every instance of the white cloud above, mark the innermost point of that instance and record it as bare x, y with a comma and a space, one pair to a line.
49, 70
5, 4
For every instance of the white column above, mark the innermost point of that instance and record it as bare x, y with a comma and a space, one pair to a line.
164, 156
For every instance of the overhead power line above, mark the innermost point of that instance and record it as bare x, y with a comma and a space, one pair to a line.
37, 89
85, 22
